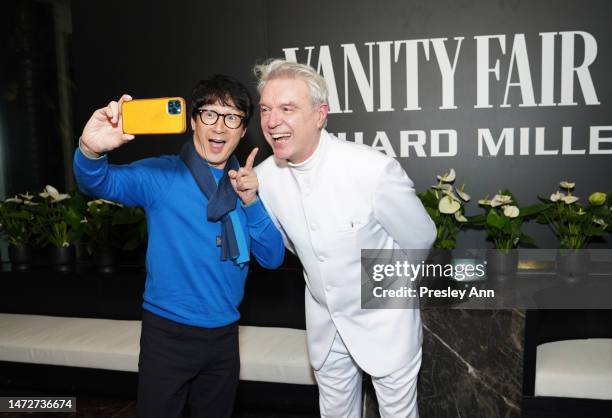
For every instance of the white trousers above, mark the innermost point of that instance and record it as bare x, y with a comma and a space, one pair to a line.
339, 382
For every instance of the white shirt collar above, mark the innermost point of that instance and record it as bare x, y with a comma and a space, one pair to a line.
316, 156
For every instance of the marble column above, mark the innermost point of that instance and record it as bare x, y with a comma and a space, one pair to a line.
472, 364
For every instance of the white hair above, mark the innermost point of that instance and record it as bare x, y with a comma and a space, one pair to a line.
280, 68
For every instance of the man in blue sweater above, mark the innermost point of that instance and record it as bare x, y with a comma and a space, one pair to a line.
204, 219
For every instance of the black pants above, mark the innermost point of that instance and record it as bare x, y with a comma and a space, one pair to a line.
181, 363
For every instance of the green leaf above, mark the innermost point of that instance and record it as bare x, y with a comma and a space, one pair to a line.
496, 221
532, 210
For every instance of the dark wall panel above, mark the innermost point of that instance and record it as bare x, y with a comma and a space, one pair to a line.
161, 49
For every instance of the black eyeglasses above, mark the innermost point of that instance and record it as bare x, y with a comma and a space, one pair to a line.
210, 117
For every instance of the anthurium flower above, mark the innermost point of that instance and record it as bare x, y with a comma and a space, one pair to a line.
13, 200
447, 177
442, 187
501, 199
511, 211
448, 205
26, 196
601, 222
52, 192
459, 217
111, 202
597, 198
102, 201
570, 199
567, 185
463, 195
485, 201
450, 194
557, 196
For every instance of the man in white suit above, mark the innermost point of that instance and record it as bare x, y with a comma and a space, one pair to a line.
330, 199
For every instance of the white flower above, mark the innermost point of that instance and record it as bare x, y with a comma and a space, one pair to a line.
511, 211
448, 205
102, 201
485, 202
442, 186
567, 185
450, 194
26, 196
581, 212
13, 200
500, 199
570, 199
557, 196
463, 195
84, 221
30, 203
601, 222
65, 244
111, 203
447, 177
459, 217
52, 192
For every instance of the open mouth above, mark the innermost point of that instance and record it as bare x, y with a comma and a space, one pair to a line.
216, 145
280, 138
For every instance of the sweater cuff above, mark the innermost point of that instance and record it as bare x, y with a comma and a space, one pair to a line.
89, 164
255, 211
85, 153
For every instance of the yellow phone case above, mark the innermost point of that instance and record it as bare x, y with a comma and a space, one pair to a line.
165, 115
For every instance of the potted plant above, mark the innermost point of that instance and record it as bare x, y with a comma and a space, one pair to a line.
61, 226
503, 220
575, 225
18, 226
445, 205
109, 227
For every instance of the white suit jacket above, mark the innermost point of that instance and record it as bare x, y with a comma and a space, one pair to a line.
346, 197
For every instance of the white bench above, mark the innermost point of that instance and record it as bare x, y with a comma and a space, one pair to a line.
575, 369
276, 355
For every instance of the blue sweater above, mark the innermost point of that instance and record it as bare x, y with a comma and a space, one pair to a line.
186, 280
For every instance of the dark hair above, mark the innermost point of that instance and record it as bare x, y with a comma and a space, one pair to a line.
224, 89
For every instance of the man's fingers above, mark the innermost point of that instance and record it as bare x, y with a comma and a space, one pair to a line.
251, 159
232, 174
247, 183
107, 112
114, 107
124, 98
127, 137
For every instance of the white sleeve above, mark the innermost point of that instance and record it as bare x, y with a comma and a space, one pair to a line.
400, 211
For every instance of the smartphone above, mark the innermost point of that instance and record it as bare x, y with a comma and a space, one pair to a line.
164, 115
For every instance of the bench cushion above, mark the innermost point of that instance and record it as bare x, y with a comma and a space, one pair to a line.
270, 354
78, 342
575, 369
267, 354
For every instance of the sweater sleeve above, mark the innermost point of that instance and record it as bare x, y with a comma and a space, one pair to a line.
137, 184
266, 241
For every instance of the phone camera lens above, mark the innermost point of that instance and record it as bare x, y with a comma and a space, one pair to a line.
174, 107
